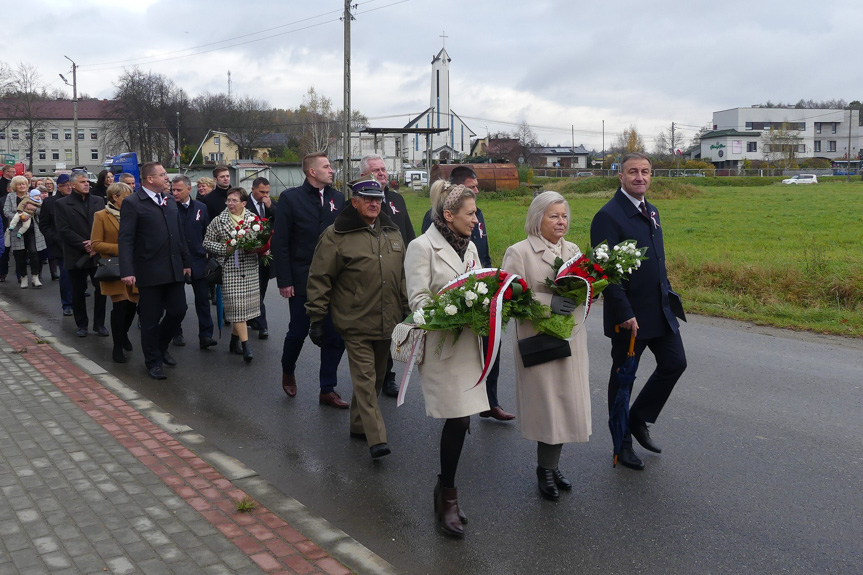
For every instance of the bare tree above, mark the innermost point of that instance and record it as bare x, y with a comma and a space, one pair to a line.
780, 146
320, 122
24, 95
667, 143
251, 119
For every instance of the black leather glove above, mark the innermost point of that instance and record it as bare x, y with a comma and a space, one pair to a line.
316, 333
562, 305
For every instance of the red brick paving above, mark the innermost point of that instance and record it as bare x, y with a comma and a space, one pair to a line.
268, 540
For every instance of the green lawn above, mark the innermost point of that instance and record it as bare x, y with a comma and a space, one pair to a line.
788, 256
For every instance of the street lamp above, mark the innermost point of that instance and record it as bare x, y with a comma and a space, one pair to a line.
74, 85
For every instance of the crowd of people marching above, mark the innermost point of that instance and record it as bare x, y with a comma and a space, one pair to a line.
351, 270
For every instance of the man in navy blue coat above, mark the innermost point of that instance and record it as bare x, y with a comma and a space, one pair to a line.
463, 175
154, 257
261, 205
195, 219
302, 214
641, 304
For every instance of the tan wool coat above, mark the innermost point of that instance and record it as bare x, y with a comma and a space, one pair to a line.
446, 377
552, 399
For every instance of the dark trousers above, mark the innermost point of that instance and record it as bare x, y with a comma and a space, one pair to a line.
4, 263
264, 282
493, 373
298, 330
670, 364
122, 316
65, 285
78, 281
28, 255
201, 290
154, 302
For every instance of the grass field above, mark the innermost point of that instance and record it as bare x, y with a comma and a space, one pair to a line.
787, 256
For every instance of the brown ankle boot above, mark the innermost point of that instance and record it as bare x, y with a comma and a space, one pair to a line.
447, 515
289, 384
437, 501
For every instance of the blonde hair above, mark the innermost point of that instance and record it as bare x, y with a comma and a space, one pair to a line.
117, 189
537, 209
209, 182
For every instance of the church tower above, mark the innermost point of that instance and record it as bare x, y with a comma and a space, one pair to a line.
440, 91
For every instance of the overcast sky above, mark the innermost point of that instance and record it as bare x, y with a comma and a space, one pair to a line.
554, 63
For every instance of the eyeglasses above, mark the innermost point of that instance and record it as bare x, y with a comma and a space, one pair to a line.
233, 201
372, 200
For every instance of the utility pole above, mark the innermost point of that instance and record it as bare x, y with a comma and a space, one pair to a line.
74, 105
603, 146
178, 140
346, 153
848, 165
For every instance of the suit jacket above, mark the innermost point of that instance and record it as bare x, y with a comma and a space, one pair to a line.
152, 242
73, 216
48, 225
195, 220
394, 206
300, 221
645, 295
479, 237
266, 272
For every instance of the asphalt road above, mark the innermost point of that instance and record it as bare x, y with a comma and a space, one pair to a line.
760, 471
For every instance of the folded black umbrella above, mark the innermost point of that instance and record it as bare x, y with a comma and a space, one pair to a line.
618, 415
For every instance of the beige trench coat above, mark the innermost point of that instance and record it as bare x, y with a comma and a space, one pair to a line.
552, 399
446, 377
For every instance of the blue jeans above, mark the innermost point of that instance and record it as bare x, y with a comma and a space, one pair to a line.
298, 330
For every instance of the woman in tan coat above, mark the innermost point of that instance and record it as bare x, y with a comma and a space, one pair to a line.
449, 371
553, 398
124, 299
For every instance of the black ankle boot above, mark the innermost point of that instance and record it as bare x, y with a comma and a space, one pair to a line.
117, 354
547, 486
247, 352
234, 346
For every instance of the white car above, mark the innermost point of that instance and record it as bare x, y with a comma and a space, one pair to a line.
802, 179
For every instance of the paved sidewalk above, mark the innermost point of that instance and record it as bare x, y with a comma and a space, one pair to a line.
88, 484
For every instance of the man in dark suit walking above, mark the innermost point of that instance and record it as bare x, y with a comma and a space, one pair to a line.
640, 305
48, 225
73, 216
302, 214
261, 205
195, 219
154, 257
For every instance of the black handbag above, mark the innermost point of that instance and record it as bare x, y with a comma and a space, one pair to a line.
542, 348
213, 271
107, 270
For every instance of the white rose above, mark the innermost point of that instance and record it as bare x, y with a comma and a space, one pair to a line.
241, 233
451, 310
481, 288
616, 248
233, 242
233, 233
485, 303
469, 296
256, 228
418, 317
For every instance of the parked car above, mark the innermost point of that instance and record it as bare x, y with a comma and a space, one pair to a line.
802, 179
584, 174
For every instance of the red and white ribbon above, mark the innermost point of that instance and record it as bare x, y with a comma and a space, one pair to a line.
403, 386
567, 270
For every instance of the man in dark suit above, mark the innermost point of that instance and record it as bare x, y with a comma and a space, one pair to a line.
154, 257
215, 200
261, 205
302, 214
48, 225
393, 206
465, 176
193, 215
640, 305
73, 216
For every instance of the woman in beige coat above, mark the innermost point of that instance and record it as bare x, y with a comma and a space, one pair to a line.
553, 399
449, 370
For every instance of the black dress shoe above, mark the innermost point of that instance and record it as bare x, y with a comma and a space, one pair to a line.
82, 332
101, 331
127, 345
639, 431
379, 450
157, 373
207, 342
560, 480
390, 388
179, 340
627, 458
168, 359
117, 354
547, 486
263, 333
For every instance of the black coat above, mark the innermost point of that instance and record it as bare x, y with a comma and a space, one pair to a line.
195, 220
645, 295
48, 225
152, 243
394, 206
73, 220
300, 221
479, 237
215, 201
266, 271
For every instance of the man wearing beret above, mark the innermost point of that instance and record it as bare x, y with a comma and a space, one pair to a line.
357, 275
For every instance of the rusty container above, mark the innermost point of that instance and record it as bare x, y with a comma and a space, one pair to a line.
491, 177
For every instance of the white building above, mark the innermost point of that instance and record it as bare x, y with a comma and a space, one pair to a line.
745, 134
453, 144
54, 140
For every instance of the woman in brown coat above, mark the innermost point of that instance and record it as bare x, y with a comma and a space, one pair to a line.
124, 299
553, 398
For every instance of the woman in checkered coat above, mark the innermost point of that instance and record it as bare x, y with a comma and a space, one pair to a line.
240, 283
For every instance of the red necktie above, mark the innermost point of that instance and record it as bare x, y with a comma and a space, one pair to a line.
643, 207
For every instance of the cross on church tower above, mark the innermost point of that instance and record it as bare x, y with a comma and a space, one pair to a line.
444, 36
